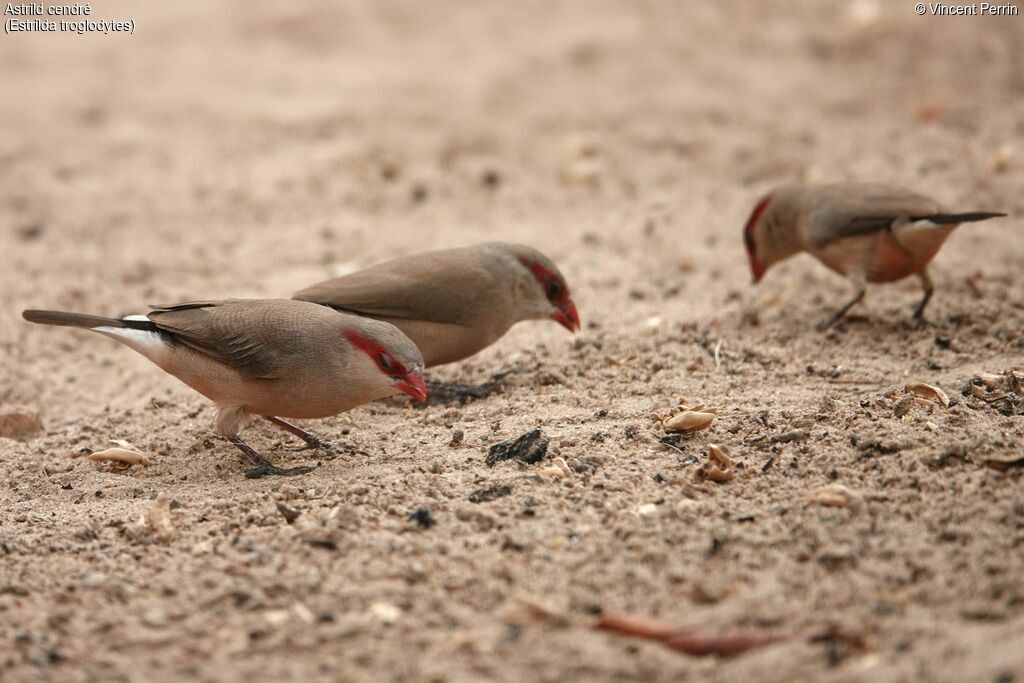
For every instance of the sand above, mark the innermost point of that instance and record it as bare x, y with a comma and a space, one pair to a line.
250, 149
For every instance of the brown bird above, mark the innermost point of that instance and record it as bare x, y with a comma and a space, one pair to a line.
454, 302
275, 358
866, 232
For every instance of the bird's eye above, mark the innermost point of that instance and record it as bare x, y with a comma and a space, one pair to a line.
554, 289
384, 361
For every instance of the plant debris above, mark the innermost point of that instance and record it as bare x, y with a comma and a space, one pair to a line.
928, 393
490, 493
832, 495
784, 437
688, 419
123, 455
557, 469
718, 466
693, 641
1003, 462
529, 447
289, 514
157, 522
1004, 392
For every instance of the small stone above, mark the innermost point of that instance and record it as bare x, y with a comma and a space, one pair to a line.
423, 517
529, 447
647, 510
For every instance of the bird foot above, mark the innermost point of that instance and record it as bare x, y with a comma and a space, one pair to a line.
265, 469
315, 443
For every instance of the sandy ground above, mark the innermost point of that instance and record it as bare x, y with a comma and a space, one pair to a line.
250, 149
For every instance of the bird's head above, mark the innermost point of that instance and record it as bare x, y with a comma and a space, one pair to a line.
545, 292
388, 361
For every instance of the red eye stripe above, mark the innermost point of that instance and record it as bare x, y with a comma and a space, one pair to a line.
373, 348
545, 277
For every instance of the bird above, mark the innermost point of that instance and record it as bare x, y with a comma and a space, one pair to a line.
275, 358
868, 232
453, 303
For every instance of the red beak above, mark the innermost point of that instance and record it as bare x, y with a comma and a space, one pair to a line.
413, 385
567, 316
756, 270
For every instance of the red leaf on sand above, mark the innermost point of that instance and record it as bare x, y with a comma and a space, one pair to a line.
691, 640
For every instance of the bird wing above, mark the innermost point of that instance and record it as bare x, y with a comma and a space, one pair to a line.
236, 333
444, 287
862, 210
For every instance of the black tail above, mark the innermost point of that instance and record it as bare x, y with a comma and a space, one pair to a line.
952, 218
82, 320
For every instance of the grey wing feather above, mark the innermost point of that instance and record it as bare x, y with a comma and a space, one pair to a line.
874, 209
827, 224
215, 330
429, 287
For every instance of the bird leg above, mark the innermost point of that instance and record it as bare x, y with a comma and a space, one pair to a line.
929, 289
312, 440
838, 315
264, 466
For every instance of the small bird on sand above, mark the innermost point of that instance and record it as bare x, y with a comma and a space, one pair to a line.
866, 232
275, 358
454, 302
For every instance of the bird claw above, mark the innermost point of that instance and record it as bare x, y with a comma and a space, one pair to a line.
318, 444
266, 469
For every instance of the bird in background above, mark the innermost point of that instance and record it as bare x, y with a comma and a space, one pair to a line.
869, 233
266, 357
454, 303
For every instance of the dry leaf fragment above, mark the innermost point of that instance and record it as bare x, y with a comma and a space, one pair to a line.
691, 640
158, 518
927, 391
832, 495
124, 456
527, 610
990, 380
690, 420
557, 468
718, 466
1003, 462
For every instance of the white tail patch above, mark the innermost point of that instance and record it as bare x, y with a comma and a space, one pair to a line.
149, 344
138, 316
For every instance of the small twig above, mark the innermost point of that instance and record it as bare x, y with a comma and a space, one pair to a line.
718, 360
786, 437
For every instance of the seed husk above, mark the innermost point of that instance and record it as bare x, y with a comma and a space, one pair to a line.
121, 454
929, 392
831, 495
718, 466
690, 420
